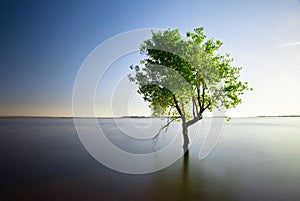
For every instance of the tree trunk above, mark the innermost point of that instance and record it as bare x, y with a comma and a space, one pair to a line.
185, 136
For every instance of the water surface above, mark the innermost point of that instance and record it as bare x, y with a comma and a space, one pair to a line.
256, 159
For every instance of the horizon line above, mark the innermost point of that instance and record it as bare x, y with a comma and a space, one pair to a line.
130, 116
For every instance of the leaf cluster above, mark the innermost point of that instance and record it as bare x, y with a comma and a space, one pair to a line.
184, 76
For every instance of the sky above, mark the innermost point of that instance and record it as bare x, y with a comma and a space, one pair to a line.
44, 43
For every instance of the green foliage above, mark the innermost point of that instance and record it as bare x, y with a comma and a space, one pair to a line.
183, 77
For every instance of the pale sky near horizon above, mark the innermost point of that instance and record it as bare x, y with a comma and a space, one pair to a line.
43, 45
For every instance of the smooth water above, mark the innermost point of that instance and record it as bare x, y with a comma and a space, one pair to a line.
255, 159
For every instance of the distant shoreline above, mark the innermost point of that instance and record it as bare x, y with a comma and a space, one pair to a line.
123, 117
281, 116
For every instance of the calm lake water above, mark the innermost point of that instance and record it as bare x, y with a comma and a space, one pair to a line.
255, 159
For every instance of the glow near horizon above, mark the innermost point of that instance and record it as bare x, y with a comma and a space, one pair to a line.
262, 36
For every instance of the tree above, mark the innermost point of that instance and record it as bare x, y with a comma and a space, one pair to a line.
183, 77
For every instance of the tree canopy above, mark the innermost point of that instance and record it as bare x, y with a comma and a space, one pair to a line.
181, 77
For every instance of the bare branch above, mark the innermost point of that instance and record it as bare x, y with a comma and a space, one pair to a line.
209, 103
198, 96
177, 106
183, 113
195, 108
203, 94
194, 114
191, 122
164, 127
203, 98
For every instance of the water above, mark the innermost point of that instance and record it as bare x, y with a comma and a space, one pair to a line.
256, 159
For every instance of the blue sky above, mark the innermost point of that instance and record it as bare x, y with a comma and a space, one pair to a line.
43, 44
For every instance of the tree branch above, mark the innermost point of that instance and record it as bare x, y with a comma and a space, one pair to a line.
183, 114
194, 120
198, 97
177, 106
199, 116
194, 107
209, 103
164, 127
202, 108
203, 95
